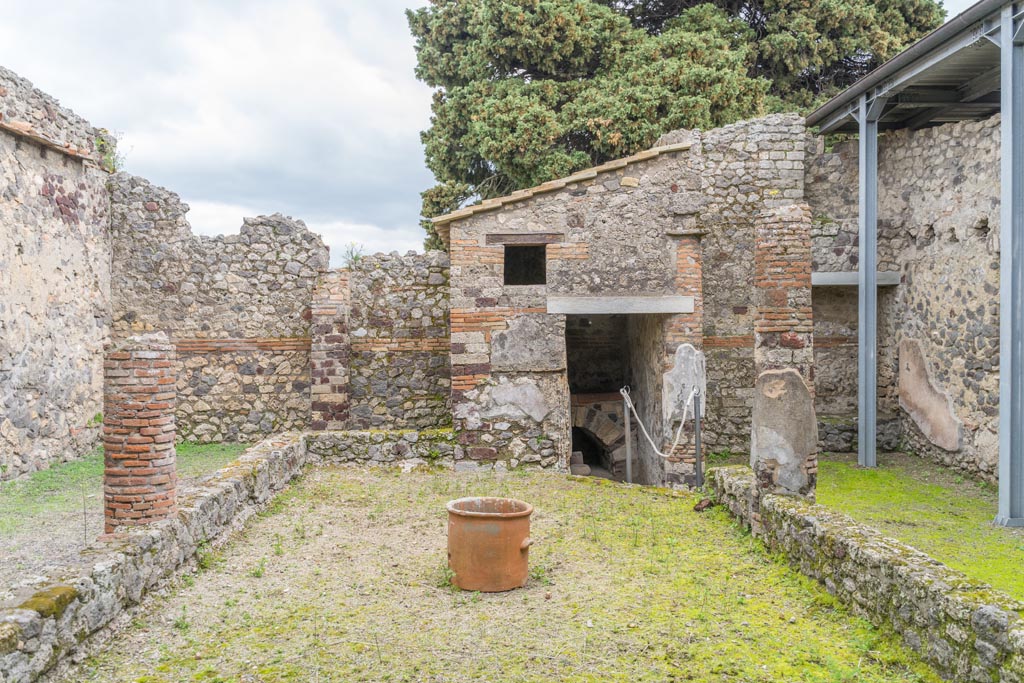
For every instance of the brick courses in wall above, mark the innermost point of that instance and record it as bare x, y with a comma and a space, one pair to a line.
784, 329
329, 354
381, 343
237, 307
140, 466
682, 217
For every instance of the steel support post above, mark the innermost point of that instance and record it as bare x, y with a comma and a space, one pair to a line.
868, 114
1011, 276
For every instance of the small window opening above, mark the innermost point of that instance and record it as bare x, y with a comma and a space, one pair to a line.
526, 265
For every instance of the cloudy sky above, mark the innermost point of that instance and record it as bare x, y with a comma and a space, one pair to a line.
244, 107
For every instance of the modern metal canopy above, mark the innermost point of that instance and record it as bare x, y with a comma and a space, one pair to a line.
969, 68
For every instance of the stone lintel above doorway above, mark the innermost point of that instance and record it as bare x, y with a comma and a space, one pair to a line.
608, 305
529, 238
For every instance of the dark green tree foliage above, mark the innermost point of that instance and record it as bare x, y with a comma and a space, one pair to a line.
531, 90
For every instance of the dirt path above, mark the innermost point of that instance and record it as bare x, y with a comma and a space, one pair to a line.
345, 579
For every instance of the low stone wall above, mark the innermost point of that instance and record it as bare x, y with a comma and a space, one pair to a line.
428, 446
116, 571
963, 628
47, 629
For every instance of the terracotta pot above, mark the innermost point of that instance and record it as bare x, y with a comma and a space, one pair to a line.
489, 543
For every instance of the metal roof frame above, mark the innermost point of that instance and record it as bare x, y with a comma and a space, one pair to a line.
952, 74
949, 75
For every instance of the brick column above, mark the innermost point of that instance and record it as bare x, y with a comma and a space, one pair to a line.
330, 351
140, 477
784, 326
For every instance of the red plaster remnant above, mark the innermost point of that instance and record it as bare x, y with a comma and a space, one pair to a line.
140, 465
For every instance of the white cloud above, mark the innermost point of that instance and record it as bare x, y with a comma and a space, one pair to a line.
306, 107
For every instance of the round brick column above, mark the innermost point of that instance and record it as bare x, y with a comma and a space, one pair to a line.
140, 476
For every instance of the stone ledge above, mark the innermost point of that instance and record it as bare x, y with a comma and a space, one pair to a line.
963, 628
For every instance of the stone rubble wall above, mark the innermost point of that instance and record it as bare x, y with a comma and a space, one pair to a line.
30, 112
835, 364
237, 308
436, 447
684, 219
963, 628
381, 344
54, 279
399, 367
939, 228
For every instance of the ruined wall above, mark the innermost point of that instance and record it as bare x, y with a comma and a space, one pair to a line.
380, 344
235, 306
54, 279
939, 224
681, 216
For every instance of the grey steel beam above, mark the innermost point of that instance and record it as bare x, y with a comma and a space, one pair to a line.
868, 114
1011, 275
849, 278
982, 85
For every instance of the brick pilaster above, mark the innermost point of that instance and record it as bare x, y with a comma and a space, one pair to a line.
684, 328
140, 468
330, 352
783, 325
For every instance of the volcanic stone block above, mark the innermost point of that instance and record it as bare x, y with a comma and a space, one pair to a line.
784, 436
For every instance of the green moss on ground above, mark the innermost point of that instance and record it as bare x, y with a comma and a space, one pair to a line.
344, 578
939, 512
59, 490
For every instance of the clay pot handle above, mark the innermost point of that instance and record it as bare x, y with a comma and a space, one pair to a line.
527, 542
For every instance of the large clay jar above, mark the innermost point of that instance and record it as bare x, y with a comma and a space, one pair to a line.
489, 543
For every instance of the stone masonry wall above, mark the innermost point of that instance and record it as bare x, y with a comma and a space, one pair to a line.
330, 352
54, 279
399, 370
783, 330
835, 362
381, 344
237, 308
939, 227
751, 167
66, 620
682, 216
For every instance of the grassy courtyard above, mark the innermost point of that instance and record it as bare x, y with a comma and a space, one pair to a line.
344, 578
50, 515
932, 508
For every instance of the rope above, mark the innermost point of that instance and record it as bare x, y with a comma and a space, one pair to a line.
679, 432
